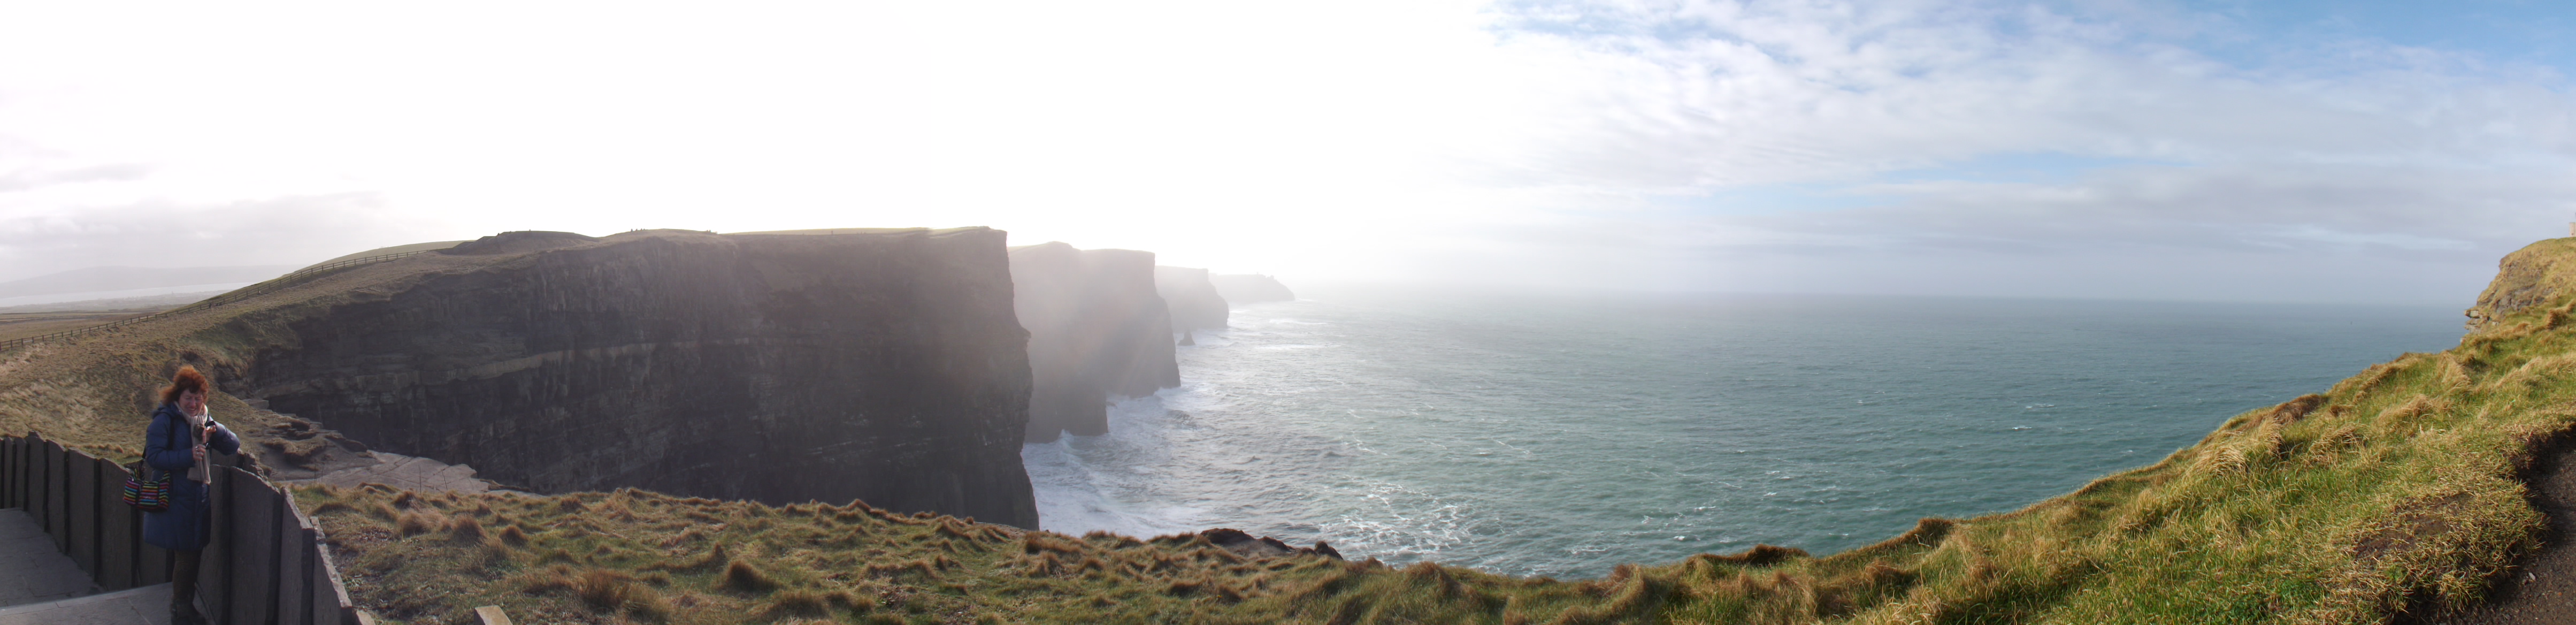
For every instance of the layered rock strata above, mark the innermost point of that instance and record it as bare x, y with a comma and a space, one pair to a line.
1096, 330
1194, 301
1242, 289
883, 365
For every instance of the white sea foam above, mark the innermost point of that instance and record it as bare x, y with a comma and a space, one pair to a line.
1104, 483
1400, 521
1529, 437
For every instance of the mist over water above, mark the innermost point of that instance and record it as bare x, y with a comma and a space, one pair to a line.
1540, 435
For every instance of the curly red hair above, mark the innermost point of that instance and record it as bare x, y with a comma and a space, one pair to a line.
187, 379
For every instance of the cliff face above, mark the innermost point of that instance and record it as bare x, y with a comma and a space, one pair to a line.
2533, 275
877, 365
1096, 329
1194, 301
1250, 288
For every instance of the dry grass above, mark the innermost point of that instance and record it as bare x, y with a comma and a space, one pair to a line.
682, 560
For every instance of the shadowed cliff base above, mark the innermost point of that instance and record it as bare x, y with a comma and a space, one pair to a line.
881, 365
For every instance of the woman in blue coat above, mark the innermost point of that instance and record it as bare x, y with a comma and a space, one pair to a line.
176, 445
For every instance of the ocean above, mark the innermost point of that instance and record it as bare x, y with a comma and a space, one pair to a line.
1562, 435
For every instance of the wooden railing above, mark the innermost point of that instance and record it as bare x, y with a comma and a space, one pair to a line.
267, 563
272, 285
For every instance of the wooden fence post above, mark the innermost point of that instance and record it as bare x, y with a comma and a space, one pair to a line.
9, 472
15, 483
37, 498
253, 566
36, 479
214, 563
294, 548
57, 497
116, 535
80, 511
336, 601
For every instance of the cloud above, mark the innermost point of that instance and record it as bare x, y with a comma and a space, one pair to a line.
2238, 207
1818, 145
1706, 94
290, 230
2239, 231
30, 179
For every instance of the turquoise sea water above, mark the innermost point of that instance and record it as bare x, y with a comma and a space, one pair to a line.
1563, 435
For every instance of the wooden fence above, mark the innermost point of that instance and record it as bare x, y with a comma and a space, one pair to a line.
235, 295
266, 565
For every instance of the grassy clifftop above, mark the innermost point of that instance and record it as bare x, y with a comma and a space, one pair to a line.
635, 556
2400, 486
94, 392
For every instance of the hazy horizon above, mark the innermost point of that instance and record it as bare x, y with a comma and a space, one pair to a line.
2186, 150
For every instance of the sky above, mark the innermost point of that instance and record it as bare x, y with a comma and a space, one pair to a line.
2192, 150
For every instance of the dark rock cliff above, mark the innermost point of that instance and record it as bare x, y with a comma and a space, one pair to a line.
1194, 301
1250, 288
1096, 329
881, 365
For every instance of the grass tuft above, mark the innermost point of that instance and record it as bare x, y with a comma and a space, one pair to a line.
740, 576
417, 523
797, 603
466, 529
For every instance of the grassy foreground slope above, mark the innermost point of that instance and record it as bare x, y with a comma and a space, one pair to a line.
637, 556
2397, 487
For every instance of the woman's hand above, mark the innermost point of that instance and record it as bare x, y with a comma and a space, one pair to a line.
209, 433
198, 451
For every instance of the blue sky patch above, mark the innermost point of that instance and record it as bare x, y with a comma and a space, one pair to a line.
2496, 31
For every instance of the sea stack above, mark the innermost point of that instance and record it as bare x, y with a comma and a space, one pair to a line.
1097, 329
1194, 301
883, 365
1240, 289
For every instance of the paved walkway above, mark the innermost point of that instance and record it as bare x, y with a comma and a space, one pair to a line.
41, 585
135, 606
31, 571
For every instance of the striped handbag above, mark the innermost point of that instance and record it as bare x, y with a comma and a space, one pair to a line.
148, 495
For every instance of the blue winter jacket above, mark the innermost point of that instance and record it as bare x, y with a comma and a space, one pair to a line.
184, 526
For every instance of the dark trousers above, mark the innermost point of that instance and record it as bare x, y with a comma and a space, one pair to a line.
183, 581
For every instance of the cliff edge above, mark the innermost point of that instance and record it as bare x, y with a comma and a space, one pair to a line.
2534, 275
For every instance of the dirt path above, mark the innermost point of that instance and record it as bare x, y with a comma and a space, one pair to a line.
15, 325
2542, 588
